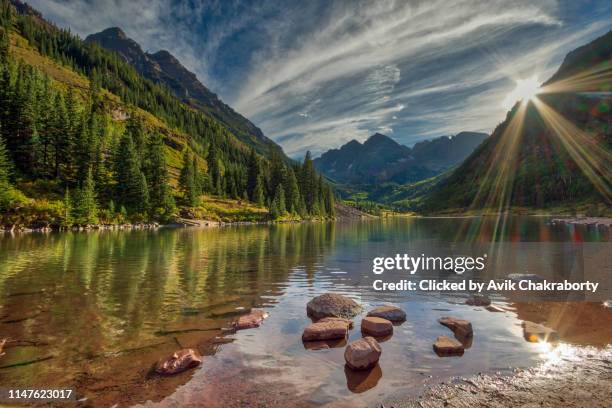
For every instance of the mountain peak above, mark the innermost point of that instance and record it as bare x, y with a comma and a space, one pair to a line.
116, 32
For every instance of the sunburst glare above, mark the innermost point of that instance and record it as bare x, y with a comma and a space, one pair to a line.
524, 91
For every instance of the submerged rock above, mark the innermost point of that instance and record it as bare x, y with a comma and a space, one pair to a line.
178, 362
445, 346
391, 313
376, 326
254, 319
534, 332
461, 328
332, 305
326, 329
478, 300
362, 380
362, 354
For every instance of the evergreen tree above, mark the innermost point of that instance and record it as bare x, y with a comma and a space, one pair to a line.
308, 184
68, 220
160, 195
85, 206
214, 171
188, 180
258, 193
292, 192
277, 207
5, 164
131, 188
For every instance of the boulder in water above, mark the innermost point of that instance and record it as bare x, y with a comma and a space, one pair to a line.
446, 346
178, 362
362, 354
376, 326
461, 328
332, 305
326, 329
391, 313
254, 319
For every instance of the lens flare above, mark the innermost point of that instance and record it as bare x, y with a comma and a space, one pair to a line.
524, 91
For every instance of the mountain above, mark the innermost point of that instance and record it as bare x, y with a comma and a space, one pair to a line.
381, 159
552, 151
163, 68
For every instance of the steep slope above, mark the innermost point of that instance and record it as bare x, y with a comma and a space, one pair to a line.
163, 68
554, 150
380, 159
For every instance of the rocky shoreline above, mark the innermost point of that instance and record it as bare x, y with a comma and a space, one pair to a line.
589, 221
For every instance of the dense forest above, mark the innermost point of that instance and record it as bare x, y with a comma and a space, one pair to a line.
66, 157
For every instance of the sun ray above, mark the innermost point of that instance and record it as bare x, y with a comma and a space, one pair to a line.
594, 161
596, 79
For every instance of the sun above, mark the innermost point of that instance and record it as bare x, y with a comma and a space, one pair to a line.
524, 91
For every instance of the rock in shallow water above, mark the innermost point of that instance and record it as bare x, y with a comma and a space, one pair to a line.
376, 326
362, 354
251, 320
534, 332
332, 305
478, 300
178, 362
326, 329
445, 346
391, 313
461, 328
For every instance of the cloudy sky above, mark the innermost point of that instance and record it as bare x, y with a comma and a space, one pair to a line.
316, 74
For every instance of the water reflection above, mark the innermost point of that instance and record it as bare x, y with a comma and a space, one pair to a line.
101, 307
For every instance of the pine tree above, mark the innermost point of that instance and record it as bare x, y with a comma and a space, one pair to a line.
68, 220
292, 191
188, 180
157, 175
214, 171
308, 184
131, 188
258, 193
278, 208
85, 206
5, 164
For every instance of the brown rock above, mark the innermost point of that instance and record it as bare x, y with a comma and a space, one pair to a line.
324, 344
376, 326
391, 313
461, 328
362, 354
362, 380
254, 319
478, 300
445, 346
178, 362
332, 305
534, 332
326, 330
348, 322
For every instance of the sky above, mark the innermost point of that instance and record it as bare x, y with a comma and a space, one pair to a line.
316, 74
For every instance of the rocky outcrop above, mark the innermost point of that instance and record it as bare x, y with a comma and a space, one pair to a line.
178, 362
326, 329
534, 332
362, 354
376, 326
461, 328
251, 320
446, 346
391, 313
332, 305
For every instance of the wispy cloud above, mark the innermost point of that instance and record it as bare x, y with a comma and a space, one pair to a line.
314, 75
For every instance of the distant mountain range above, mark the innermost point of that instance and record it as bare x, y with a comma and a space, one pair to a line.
553, 151
162, 67
380, 159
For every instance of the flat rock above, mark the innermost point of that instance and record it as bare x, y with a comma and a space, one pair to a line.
178, 362
445, 346
376, 326
362, 354
332, 305
348, 322
534, 332
326, 329
391, 313
254, 319
461, 328
478, 300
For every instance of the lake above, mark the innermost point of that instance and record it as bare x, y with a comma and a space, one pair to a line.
94, 311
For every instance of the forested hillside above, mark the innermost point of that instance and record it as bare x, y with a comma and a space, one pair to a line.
85, 139
552, 151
